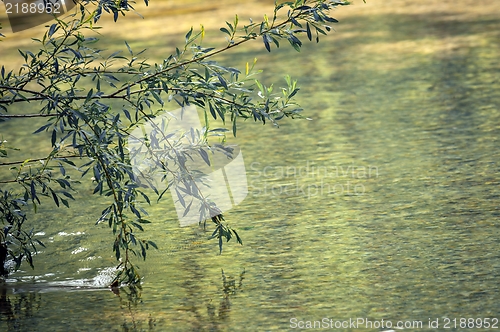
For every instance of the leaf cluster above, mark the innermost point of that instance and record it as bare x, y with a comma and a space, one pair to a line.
15, 242
93, 101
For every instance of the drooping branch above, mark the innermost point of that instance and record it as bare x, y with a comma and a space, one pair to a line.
81, 118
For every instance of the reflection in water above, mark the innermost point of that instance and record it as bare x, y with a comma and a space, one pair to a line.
22, 307
130, 300
195, 312
195, 306
229, 288
18, 311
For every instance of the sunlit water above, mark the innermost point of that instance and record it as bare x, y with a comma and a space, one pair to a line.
385, 206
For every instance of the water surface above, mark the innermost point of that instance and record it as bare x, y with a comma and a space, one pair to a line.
385, 206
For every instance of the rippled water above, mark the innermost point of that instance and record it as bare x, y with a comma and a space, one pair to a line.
385, 206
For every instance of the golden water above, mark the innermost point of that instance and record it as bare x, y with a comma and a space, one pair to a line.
384, 206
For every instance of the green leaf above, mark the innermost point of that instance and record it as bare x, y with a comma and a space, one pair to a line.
128, 47
294, 92
295, 22
222, 80
127, 114
65, 202
53, 138
53, 28
42, 128
89, 95
157, 97
330, 19
33, 191
295, 42
67, 194
62, 170
135, 211
220, 244
145, 197
188, 35
234, 126
116, 248
265, 39
143, 250
260, 86
153, 244
320, 31
220, 111
225, 31
40, 243
138, 226
238, 239
212, 111
303, 8
54, 197
98, 188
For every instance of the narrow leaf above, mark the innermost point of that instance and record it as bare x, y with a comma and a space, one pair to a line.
53, 28
129, 49
205, 157
53, 138
266, 42
225, 31
189, 34
42, 128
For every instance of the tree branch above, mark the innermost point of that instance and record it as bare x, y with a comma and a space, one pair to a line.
36, 159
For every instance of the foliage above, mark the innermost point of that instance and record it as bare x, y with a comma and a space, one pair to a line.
76, 87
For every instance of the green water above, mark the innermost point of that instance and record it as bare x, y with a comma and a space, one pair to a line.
385, 206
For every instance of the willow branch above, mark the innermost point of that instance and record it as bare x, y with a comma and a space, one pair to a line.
10, 163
